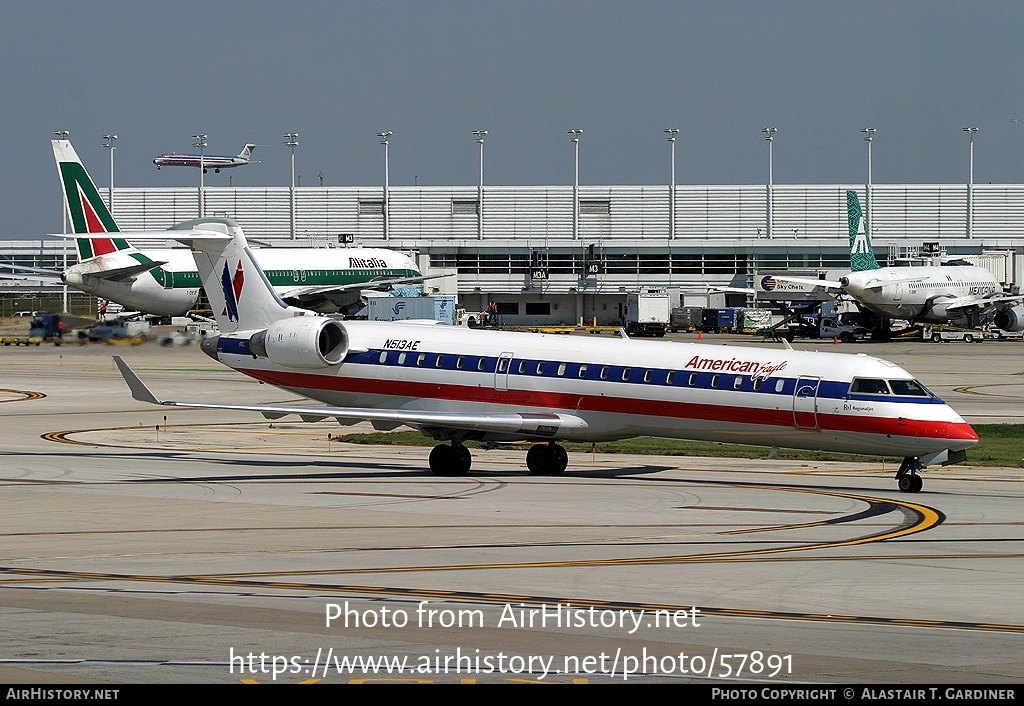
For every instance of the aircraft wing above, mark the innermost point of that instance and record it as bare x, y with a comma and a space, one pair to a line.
823, 283
527, 425
321, 290
984, 304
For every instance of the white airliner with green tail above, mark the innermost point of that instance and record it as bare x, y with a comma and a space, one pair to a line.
165, 281
958, 292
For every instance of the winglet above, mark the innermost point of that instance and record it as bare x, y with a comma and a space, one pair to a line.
135, 384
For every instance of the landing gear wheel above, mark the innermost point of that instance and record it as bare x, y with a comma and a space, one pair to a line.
547, 459
450, 460
907, 479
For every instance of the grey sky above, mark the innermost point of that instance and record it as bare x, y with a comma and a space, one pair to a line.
433, 70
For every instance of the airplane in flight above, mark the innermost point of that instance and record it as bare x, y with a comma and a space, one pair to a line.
215, 162
165, 281
456, 385
959, 293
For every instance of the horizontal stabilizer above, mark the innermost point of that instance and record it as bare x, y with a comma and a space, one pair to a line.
807, 282
120, 274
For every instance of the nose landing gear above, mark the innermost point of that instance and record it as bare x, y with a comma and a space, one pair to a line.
906, 477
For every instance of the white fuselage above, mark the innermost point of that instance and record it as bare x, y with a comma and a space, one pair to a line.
173, 288
625, 388
920, 293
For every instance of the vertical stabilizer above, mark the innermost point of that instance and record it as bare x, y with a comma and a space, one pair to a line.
241, 296
246, 152
86, 209
862, 256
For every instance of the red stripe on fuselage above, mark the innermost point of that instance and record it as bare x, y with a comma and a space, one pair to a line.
570, 402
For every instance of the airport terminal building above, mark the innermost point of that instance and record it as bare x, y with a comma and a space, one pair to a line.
549, 254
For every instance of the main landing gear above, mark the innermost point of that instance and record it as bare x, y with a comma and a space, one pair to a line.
450, 460
907, 478
547, 459
455, 459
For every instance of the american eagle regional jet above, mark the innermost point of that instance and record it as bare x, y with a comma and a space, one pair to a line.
455, 384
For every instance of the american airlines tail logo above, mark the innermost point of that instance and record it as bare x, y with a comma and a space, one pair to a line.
232, 287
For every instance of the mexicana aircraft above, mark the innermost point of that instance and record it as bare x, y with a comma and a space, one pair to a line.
455, 384
206, 161
165, 281
955, 293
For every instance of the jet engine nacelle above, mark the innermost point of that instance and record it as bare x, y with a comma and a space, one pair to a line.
1011, 319
302, 342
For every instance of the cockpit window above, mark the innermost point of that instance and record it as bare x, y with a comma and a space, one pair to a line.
908, 387
869, 386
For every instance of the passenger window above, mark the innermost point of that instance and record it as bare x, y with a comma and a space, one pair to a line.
757, 384
670, 378
420, 358
583, 371
503, 365
692, 382
714, 380
439, 363
401, 358
540, 368
383, 356
648, 374
737, 383
779, 384
625, 373
481, 364
604, 372
561, 369
522, 366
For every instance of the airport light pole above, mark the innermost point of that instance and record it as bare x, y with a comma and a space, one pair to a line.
672, 132
575, 139
480, 134
292, 140
971, 131
200, 142
387, 178
868, 134
109, 144
63, 135
769, 136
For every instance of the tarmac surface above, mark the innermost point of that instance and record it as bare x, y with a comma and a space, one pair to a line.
214, 547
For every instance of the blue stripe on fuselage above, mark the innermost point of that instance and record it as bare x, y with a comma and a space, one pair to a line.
827, 389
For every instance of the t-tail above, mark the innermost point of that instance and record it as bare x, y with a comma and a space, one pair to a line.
246, 152
85, 207
241, 296
862, 256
